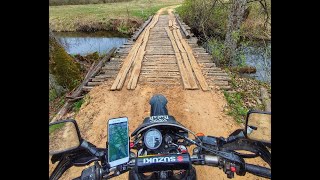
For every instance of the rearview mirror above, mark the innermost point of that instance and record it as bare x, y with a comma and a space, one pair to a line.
258, 126
64, 136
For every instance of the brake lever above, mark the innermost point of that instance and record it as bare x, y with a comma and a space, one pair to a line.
227, 155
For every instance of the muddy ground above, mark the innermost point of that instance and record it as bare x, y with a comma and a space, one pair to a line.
197, 110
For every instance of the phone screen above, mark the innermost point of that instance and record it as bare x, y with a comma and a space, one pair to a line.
118, 141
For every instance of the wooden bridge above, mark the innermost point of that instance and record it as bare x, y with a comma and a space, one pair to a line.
162, 52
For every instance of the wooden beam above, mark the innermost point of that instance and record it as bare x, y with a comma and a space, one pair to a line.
192, 80
142, 50
194, 64
183, 72
136, 35
118, 82
186, 33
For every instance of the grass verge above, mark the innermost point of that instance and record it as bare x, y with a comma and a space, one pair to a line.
77, 105
245, 96
55, 127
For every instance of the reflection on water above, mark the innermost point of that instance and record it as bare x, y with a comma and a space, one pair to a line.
85, 43
259, 57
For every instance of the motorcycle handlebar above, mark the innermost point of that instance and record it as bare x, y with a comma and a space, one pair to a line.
250, 168
258, 170
207, 159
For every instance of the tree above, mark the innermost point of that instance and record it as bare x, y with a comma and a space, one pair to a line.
235, 19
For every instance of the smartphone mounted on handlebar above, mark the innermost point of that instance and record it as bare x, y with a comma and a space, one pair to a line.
118, 141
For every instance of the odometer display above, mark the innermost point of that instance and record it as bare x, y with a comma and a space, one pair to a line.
153, 138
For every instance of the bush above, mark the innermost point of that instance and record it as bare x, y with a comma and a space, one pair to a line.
216, 48
209, 18
205, 17
61, 65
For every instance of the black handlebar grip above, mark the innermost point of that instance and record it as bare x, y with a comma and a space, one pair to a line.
91, 148
258, 170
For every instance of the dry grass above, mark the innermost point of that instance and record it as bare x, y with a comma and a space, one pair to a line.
112, 16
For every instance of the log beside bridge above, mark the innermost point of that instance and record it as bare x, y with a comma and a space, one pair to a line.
183, 28
137, 34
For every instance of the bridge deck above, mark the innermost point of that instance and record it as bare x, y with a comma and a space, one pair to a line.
162, 56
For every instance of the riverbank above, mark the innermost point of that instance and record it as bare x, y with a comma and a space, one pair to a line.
124, 17
58, 98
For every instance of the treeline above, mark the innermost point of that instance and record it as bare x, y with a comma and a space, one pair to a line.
224, 25
75, 2
210, 17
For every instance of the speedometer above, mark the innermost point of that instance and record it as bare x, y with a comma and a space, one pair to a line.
153, 138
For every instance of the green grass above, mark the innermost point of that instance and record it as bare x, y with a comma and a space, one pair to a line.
237, 108
102, 16
77, 105
52, 95
55, 127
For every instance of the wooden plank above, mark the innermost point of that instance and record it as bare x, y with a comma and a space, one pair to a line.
159, 69
138, 63
225, 87
183, 73
170, 23
97, 79
220, 83
192, 80
118, 82
94, 83
111, 68
156, 79
161, 73
87, 88
195, 66
104, 76
218, 73
222, 78
212, 69
161, 76
160, 53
